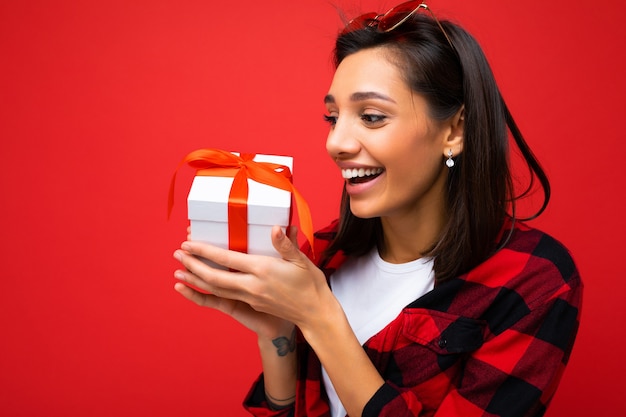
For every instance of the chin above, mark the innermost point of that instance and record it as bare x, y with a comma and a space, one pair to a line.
362, 212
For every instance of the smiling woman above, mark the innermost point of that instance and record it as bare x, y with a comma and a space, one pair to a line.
431, 297
98, 101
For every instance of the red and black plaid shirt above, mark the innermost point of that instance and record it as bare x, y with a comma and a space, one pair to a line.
492, 342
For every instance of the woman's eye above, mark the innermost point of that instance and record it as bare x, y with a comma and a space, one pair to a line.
331, 120
373, 118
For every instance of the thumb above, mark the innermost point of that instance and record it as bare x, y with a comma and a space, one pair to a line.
286, 246
292, 232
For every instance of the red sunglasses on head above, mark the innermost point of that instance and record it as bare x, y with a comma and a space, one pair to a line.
396, 16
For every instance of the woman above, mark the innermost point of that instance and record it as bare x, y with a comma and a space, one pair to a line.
430, 297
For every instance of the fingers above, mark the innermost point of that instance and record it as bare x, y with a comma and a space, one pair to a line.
255, 270
292, 232
287, 247
224, 257
219, 282
203, 300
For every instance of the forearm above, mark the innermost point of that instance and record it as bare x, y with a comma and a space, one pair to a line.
352, 373
278, 357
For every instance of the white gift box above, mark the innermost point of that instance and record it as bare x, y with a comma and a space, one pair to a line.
207, 204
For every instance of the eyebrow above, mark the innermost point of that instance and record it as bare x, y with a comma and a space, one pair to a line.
361, 96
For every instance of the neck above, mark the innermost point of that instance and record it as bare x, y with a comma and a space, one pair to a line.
407, 238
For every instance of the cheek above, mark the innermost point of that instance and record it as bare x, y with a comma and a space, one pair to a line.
415, 165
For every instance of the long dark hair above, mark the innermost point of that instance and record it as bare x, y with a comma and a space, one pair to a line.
480, 190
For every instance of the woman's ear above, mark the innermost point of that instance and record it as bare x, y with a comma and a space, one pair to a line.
453, 143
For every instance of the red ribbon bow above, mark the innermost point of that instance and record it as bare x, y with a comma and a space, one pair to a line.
218, 163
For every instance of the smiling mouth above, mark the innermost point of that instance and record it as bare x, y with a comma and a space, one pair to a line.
360, 175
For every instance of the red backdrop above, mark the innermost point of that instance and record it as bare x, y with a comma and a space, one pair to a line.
100, 100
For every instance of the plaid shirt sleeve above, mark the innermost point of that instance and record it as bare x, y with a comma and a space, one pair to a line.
257, 404
493, 342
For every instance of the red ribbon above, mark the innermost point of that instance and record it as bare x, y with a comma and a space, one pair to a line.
218, 163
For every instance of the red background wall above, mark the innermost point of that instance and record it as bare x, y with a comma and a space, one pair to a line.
100, 100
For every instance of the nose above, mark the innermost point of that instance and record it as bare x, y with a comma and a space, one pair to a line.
342, 141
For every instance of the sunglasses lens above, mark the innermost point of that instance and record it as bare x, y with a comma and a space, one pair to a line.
392, 19
360, 22
398, 15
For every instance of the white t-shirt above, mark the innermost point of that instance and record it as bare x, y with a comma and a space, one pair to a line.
372, 293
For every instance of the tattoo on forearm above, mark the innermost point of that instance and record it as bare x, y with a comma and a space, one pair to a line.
284, 345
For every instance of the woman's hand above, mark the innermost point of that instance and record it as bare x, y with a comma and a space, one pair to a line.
267, 295
270, 295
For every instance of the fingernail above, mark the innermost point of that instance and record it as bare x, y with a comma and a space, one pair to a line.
178, 255
185, 246
179, 275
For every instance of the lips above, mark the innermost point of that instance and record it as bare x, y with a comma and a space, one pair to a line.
360, 175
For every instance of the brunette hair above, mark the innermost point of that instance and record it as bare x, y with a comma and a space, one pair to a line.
480, 190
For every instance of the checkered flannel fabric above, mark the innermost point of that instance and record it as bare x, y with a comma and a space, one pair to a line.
492, 342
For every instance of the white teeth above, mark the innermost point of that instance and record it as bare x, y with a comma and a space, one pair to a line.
360, 172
